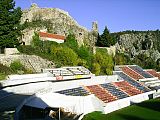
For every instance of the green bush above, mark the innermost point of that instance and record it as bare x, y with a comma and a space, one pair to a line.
17, 66
65, 55
105, 61
85, 54
2, 76
96, 68
5, 70
82, 62
36, 40
27, 49
71, 42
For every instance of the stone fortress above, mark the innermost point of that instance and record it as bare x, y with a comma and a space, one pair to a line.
60, 23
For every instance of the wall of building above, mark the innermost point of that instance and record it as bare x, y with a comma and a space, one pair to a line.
52, 39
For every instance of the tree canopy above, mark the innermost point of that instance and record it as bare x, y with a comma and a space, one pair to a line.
105, 40
9, 23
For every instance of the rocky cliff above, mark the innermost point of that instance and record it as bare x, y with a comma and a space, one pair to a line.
139, 42
56, 21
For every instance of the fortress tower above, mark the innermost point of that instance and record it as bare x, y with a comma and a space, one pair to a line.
95, 26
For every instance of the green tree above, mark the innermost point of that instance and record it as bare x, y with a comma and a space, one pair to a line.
120, 59
71, 42
105, 61
106, 40
96, 68
64, 55
99, 42
9, 23
36, 40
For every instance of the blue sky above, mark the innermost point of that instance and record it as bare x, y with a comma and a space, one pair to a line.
117, 15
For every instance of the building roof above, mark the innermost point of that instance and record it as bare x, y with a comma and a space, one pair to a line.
50, 35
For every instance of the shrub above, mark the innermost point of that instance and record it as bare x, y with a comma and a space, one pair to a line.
28, 71
36, 40
71, 42
105, 61
27, 49
82, 62
109, 71
65, 55
96, 68
2, 76
4, 69
17, 66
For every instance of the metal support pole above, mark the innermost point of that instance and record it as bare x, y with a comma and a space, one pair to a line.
59, 114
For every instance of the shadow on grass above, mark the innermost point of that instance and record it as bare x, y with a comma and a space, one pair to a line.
130, 117
97, 115
153, 105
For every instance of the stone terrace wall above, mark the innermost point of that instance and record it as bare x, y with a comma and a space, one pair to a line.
35, 63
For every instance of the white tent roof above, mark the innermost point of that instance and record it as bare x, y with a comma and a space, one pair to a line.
75, 104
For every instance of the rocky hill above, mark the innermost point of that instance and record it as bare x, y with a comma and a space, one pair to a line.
56, 21
139, 42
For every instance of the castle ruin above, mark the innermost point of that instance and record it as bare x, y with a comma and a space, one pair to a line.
59, 22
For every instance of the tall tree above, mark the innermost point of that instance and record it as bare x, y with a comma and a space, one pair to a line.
105, 40
9, 24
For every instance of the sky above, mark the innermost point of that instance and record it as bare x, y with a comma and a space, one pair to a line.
117, 15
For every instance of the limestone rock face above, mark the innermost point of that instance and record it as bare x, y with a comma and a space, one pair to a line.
134, 43
61, 23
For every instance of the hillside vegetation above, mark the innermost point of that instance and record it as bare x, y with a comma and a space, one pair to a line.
15, 68
70, 53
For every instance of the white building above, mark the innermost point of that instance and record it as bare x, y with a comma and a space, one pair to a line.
44, 36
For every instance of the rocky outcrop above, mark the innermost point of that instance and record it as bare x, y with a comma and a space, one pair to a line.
134, 43
59, 22
32, 62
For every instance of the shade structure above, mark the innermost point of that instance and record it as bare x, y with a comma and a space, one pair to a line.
74, 104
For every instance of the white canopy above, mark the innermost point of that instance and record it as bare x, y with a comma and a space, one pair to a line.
75, 104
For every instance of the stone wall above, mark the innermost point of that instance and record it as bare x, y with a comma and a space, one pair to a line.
111, 50
27, 36
61, 23
35, 63
10, 51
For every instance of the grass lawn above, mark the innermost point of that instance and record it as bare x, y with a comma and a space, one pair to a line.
148, 110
